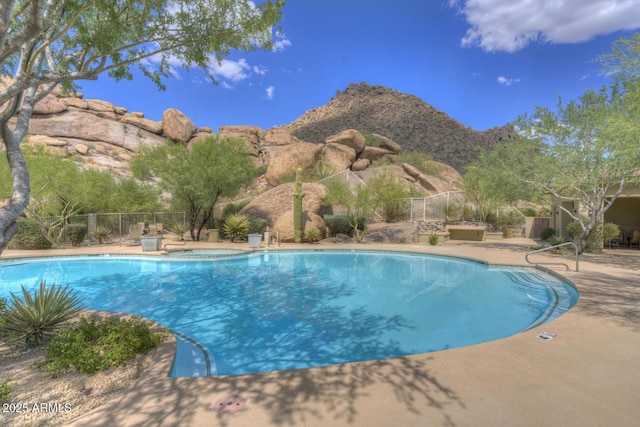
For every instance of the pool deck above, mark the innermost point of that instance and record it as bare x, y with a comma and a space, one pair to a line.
588, 375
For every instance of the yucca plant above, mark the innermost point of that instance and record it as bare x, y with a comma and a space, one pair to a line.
102, 234
236, 226
34, 319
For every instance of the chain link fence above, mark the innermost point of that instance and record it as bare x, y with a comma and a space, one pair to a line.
118, 223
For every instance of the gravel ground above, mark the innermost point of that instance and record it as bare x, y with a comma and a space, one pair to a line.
36, 399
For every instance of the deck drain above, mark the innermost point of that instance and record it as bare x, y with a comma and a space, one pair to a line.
547, 336
230, 404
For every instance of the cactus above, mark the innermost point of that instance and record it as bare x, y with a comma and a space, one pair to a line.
297, 207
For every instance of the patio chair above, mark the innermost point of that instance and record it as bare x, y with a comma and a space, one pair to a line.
135, 234
635, 239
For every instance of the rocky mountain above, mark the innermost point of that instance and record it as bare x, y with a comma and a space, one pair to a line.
406, 119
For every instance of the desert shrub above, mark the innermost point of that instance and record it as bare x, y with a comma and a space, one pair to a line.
4, 391
29, 236
236, 226
341, 224
92, 346
609, 231
34, 319
574, 230
370, 140
529, 211
76, 233
257, 225
312, 235
234, 208
467, 212
547, 233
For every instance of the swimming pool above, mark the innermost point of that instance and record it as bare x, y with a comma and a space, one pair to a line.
278, 310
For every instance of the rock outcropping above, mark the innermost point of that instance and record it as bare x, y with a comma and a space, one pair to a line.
99, 133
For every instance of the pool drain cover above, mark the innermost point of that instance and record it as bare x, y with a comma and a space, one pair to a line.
547, 336
230, 404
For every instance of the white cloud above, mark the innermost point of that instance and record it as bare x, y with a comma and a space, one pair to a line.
510, 25
259, 69
270, 92
281, 43
228, 71
506, 81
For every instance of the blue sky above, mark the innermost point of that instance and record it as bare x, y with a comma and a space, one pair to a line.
482, 62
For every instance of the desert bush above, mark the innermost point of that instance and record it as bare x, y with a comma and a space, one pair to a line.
29, 235
92, 346
236, 226
4, 391
609, 231
34, 319
76, 233
547, 233
234, 208
257, 225
341, 224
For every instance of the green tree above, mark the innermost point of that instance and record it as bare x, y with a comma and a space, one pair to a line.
44, 44
360, 202
590, 155
504, 175
198, 175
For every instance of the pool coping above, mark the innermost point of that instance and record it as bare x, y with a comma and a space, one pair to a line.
587, 375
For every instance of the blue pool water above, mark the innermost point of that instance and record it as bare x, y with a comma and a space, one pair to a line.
267, 311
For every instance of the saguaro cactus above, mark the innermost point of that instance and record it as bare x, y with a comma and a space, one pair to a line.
297, 207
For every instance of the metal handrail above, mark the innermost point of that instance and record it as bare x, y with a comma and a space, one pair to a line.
526, 257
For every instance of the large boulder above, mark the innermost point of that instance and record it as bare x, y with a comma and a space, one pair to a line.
387, 143
275, 136
83, 125
374, 153
430, 183
351, 138
274, 203
284, 225
290, 157
177, 126
138, 120
49, 105
252, 134
337, 157
360, 165
395, 233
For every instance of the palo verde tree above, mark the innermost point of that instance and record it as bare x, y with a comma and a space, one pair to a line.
585, 150
590, 156
198, 175
504, 174
46, 43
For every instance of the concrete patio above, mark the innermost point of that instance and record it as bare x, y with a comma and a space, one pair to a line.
588, 375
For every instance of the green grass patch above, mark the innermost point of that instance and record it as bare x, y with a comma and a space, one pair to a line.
91, 346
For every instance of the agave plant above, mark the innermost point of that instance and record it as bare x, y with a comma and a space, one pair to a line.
34, 319
102, 234
236, 226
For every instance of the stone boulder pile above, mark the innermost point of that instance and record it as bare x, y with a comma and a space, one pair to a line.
101, 134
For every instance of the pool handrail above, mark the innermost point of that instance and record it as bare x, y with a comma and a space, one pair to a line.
526, 257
